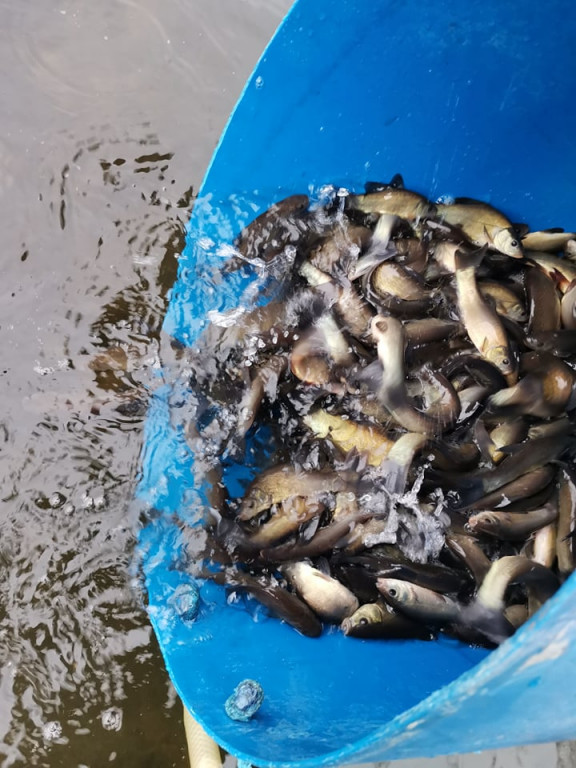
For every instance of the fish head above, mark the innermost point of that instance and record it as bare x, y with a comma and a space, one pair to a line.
500, 356
396, 591
507, 241
483, 521
365, 615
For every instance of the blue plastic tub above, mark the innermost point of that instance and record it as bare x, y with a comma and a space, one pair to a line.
471, 98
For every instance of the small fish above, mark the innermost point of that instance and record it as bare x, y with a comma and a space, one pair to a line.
389, 335
512, 526
282, 482
337, 252
287, 517
545, 392
264, 382
394, 288
279, 601
506, 301
318, 351
543, 302
270, 232
373, 620
562, 271
549, 240
561, 343
331, 601
418, 602
481, 321
348, 435
486, 612
395, 202
565, 541
483, 225
468, 550
427, 329
568, 307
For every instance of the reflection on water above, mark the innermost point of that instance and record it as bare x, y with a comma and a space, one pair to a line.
111, 113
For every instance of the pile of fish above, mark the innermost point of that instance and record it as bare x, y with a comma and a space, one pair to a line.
403, 392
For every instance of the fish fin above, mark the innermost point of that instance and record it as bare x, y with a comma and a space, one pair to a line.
467, 201
465, 259
520, 230
396, 182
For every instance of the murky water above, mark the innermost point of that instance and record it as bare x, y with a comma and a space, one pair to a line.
110, 112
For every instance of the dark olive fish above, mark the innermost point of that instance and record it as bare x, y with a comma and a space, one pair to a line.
323, 541
283, 604
561, 343
512, 526
543, 302
468, 550
269, 233
525, 487
373, 620
565, 541
284, 481
396, 202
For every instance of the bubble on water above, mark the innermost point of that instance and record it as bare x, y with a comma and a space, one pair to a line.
446, 200
56, 500
52, 730
259, 82
111, 719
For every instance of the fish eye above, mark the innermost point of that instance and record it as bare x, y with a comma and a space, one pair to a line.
392, 591
505, 361
514, 243
363, 622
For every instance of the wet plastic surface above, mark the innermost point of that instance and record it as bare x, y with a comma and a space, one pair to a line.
471, 99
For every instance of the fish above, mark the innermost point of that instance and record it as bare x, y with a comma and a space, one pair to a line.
331, 601
284, 481
543, 302
568, 307
545, 392
512, 526
348, 435
337, 252
521, 488
373, 620
562, 271
481, 321
287, 517
506, 301
418, 602
468, 550
269, 233
483, 225
561, 343
389, 335
283, 604
318, 352
549, 240
392, 287
264, 382
565, 541
486, 613
395, 202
